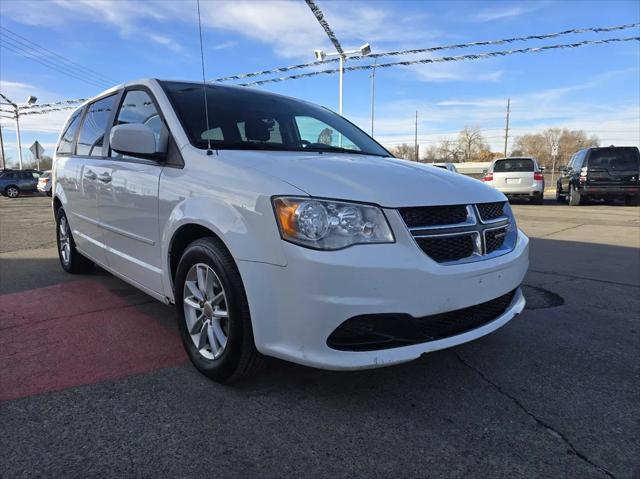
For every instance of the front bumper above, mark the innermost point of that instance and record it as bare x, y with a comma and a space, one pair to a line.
295, 308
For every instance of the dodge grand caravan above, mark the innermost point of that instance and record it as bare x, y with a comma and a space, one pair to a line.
279, 228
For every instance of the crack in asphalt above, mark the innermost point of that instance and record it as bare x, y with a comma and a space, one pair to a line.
539, 421
559, 231
573, 277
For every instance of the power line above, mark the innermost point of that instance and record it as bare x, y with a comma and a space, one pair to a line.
46, 63
473, 56
432, 49
25, 41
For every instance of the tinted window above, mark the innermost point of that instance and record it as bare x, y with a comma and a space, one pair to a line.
616, 159
241, 118
8, 175
514, 164
66, 142
94, 126
138, 107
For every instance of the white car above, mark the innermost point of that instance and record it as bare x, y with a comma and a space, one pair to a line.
279, 228
517, 178
44, 183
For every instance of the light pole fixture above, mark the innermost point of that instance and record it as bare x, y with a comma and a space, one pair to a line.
321, 55
16, 116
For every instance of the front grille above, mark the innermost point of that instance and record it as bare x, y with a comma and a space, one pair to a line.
461, 233
383, 331
491, 211
494, 238
447, 248
433, 215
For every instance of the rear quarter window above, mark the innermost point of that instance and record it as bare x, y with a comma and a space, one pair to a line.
616, 159
513, 165
66, 141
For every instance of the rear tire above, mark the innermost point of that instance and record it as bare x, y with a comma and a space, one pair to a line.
70, 259
575, 198
12, 191
538, 200
216, 333
560, 198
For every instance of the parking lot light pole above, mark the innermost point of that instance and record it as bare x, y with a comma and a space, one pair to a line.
16, 115
363, 51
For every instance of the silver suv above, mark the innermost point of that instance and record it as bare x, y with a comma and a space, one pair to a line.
517, 178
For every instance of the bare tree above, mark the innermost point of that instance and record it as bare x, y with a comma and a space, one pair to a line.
540, 145
404, 151
471, 142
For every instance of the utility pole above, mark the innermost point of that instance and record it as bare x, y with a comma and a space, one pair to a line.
373, 92
415, 138
506, 131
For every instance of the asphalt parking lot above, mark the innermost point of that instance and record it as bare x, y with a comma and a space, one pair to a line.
93, 380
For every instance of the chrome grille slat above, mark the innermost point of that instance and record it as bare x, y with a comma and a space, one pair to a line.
451, 237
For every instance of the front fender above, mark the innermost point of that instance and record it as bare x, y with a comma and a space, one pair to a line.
249, 233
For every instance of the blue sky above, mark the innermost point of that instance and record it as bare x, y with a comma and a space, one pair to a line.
596, 88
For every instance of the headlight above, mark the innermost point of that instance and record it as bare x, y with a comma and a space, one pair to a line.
330, 225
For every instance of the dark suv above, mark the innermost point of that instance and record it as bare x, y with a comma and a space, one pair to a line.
14, 182
601, 173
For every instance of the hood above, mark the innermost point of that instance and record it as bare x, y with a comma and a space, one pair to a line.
387, 182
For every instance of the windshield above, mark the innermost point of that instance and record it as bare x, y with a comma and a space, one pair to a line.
618, 159
242, 118
513, 164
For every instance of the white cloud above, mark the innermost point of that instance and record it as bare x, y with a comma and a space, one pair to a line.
506, 11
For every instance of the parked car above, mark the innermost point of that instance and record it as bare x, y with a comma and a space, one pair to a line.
517, 178
446, 166
601, 173
279, 228
44, 183
15, 182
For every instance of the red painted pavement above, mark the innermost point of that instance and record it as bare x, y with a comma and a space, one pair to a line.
77, 333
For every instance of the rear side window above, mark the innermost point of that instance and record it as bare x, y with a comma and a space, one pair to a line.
615, 159
514, 164
94, 125
66, 142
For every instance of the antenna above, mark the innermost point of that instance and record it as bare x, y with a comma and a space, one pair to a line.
204, 83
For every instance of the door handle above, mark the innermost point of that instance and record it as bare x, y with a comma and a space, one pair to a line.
105, 177
90, 175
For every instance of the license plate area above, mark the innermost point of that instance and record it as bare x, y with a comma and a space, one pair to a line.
513, 181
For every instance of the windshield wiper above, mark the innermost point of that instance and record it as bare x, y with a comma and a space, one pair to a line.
336, 149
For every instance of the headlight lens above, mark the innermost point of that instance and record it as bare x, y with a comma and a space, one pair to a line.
330, 225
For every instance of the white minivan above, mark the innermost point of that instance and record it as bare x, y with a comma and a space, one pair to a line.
279, 228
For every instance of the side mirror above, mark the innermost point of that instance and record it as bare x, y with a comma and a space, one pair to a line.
564, 169
485, 171
135, 139
542, 168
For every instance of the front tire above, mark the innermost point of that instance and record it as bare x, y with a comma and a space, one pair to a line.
213, 313
70, 259
12, 191
575, 198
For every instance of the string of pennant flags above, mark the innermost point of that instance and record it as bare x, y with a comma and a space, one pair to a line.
473, 56
430, 49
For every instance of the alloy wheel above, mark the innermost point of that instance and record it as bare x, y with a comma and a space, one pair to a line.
205, 311
64, 240
12, 192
